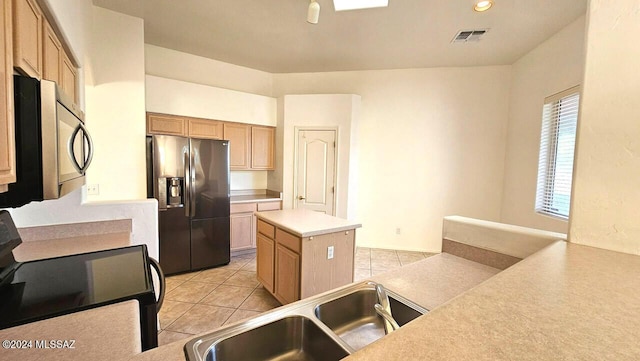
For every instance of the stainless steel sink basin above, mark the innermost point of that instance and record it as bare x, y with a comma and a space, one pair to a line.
327, 327
290, 338
353, 317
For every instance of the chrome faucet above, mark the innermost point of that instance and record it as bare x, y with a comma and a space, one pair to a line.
383, 308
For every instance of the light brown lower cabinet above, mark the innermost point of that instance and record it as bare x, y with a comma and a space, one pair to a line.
243, 223
287, 274
242, 231
265, 261
293, 267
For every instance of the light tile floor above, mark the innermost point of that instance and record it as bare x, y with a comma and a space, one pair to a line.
204, 300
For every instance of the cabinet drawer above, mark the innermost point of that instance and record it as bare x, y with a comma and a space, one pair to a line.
242, 208
266, 229
288, 240
268, 206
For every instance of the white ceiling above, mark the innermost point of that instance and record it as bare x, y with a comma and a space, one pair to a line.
273, 35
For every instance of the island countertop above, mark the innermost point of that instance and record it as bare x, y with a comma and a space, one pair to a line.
306, 223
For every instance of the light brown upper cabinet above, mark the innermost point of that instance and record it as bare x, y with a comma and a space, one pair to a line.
262, 148
7, 145
203, 128
51, 54
239, 137
27, 37
69, 77
166, 124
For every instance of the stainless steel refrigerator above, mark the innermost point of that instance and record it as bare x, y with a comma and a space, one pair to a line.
190, 179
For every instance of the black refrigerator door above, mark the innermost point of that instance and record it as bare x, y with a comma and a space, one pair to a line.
209, 242
209, 196
175, 248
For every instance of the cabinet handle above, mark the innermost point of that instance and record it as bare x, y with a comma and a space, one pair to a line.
347, 232
311, 238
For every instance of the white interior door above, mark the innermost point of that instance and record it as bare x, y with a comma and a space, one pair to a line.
316, 170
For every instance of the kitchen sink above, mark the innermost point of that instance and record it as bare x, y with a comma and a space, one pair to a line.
327, 327
354, 319
290, 338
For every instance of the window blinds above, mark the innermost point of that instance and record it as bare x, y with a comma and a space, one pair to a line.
557, 145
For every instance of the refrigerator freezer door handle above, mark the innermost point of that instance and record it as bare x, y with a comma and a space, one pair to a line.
187, 181
192, 188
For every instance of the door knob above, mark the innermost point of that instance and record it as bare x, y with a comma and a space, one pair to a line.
300, 198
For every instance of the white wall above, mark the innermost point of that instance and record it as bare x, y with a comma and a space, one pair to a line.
432, 144
241, 180
71, 209
331, 111
605, 209
115, 106
172, 64
553, 66
203, 101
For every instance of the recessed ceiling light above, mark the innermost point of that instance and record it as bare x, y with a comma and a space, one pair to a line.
483, 5
342, 5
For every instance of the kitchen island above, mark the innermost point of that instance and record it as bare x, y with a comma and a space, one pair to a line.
301, 253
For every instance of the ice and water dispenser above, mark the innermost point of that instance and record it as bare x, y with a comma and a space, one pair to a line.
170, 192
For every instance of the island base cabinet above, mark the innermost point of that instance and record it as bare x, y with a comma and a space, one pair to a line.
265, 261
292, 268
318, 273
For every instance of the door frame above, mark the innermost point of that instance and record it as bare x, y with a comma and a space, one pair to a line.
296, 131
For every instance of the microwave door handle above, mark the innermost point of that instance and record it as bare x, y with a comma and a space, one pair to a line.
70, 150
89, 158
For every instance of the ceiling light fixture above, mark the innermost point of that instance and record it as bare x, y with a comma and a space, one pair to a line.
483, 5
313, 14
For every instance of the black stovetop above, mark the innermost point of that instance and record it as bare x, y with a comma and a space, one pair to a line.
56, 286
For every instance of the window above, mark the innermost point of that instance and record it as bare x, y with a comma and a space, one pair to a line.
557, 144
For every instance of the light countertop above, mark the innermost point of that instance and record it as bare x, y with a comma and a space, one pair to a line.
254, 196
306, 223
566, 302
429, 283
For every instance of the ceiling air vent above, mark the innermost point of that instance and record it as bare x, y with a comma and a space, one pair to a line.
465, 36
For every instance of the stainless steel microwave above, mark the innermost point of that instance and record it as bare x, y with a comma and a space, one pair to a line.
53, 147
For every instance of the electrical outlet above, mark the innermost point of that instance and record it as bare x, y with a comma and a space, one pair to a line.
93, 189
330, 252
398, 231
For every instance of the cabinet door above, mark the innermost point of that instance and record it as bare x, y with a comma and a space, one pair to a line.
206, 129
69, 77
242, 230
7, 139
265, 261
262, 148
287, 275
165, 124
51, 55
27, 37
239, 137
